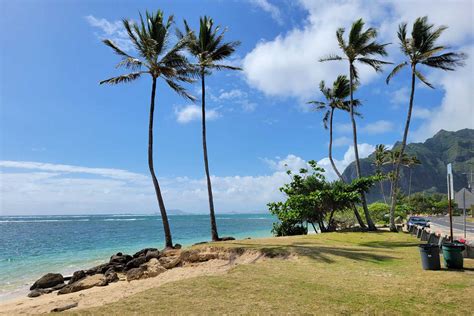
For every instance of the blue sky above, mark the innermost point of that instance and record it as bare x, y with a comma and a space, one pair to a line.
69, 145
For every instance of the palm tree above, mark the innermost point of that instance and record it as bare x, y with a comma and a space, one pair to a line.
420, 49
360, 47
381, 153
150, 39
336, 99
209, 51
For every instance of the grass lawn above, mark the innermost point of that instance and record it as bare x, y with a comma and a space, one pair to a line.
335, 273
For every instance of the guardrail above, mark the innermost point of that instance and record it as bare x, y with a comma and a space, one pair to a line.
431, 237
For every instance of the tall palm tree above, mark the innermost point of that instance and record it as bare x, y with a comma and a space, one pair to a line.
420, 49
360, 47
150, 39
381, 153
209, 49
414, 161
336, 99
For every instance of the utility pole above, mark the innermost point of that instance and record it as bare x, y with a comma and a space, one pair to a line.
450, 189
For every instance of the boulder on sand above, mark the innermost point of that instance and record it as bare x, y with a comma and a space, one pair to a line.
76, 276
135, 263
169, 262
39, 292
83, 284
120, 258
135, 274
143, 252
47, 281
152, 254
153, 268
111, 276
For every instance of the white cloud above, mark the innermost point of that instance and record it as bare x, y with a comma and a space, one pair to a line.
236, 96
400, 96
421, 113
341, 141
378, 127
111, 30
288, 64
39, 188
192, 112
268, 7
456, 110
291, 162
349, 156
105, 172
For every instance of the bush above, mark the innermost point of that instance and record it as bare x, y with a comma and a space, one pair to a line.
289, 228
380, 212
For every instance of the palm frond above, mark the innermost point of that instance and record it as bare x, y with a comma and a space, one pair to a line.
423, 79
447, 61
330, 58
123, 78
395, 71
130, 63
116, 49
180, 90
374, 63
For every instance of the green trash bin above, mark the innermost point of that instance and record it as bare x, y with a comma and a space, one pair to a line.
452, 254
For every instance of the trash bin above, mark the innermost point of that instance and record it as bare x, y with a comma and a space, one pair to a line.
429, 256
452, 253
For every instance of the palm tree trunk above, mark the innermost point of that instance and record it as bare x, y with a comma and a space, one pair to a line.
164, 216
330, 146
214, 235
382, 191
370, 223
354, 208
402, 150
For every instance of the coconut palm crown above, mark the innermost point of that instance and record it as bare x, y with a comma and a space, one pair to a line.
158, 58
209, 49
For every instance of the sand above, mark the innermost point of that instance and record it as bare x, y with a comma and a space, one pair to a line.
113, 292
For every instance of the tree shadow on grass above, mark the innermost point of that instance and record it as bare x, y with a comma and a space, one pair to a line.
320, 253
388, 244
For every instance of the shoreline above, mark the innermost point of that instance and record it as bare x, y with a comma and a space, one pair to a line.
222, 261
20, 269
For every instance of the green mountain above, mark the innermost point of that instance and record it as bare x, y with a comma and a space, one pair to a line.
435, 153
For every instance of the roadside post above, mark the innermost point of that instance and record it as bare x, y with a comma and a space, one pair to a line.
450, 192
464, 210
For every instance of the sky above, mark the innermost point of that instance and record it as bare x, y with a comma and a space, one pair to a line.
71, 146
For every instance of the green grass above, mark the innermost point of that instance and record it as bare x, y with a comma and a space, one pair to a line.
335, 273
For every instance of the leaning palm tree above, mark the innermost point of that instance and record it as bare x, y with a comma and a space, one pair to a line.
150, 39
209, 49
360, 47
336, 99
380, 158
420, 49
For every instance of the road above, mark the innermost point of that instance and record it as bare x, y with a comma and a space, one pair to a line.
458, 223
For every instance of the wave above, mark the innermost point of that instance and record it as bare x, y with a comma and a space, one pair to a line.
122, 219
46, 220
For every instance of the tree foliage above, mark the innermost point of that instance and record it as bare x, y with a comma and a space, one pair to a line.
312, 199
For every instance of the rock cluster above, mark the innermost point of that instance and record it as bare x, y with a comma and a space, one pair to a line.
143, 264
146, 263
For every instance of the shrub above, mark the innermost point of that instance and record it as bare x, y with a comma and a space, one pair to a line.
289, 228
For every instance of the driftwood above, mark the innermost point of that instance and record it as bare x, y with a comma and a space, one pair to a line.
61, 309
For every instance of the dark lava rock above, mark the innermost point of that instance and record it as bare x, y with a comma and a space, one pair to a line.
48, 280
135, 274
83, 284
135, 263
152, 254
120, 258
143, 252
76, 276
177, 246
111, 276
226, 238
36, 293
98, 269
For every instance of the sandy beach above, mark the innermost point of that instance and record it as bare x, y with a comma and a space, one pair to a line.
113, 292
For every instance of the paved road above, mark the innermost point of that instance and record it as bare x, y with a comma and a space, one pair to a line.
458, 223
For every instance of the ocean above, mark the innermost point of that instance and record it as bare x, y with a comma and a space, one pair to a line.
31, 246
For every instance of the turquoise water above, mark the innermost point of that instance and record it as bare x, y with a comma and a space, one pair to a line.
31, 246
